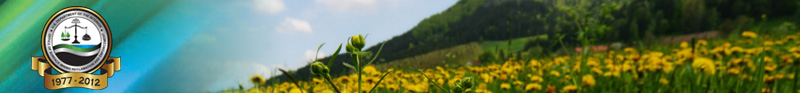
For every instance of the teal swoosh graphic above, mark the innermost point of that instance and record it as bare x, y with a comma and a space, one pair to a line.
76, 48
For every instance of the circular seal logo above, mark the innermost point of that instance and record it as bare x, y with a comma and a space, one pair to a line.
76, 39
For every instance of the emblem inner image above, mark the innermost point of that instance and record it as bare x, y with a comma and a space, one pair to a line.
76, 41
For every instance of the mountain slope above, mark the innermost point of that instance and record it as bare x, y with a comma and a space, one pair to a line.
627, 20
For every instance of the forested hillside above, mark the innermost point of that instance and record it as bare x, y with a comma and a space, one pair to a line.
573, 23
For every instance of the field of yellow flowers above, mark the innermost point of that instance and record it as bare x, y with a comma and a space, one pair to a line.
750, 64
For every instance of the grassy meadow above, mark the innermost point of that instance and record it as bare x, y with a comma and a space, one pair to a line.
751, 63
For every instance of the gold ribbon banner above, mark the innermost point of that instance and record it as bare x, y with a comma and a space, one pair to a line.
77, 79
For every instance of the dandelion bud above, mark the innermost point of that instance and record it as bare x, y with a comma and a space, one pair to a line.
457, 83
357, 41
458, 89
351, 48
319, 68
467, 82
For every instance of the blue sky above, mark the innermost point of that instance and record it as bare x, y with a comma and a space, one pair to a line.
272, 36
288, 35
304, 24
262, 35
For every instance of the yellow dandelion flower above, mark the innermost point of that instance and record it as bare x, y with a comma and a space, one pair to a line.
726, 45
503, 77
486, 78
736, 49
718, 51
684, 44
597, 71
780, 42
505, 86
415, 88
517, 83
533, 86
257, 80
780, 76
663, 81
588, 80
592, 63
749, 34
768, 43
536, 78
701, 42
327, 91
370, 80
704, 64
767, 59
607, 74
370, 70
569, 88
295, 90
343, 79
667, 67
392, 87
656, 54
795, 51
452, 83
534, 63
734, 70
482, 91
736, 61
768, 79
366, 88
627, 67
317, 81
629, 50
770, 67
787, 59
555, 73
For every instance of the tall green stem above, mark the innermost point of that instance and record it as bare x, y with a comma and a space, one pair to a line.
796, 75
328, 78
292, 78
431, 80
379, 81
358, 68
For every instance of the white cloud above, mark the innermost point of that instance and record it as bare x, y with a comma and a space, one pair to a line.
309, 55
294, 25
240, 69
261, 69
345, 5
270, 6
